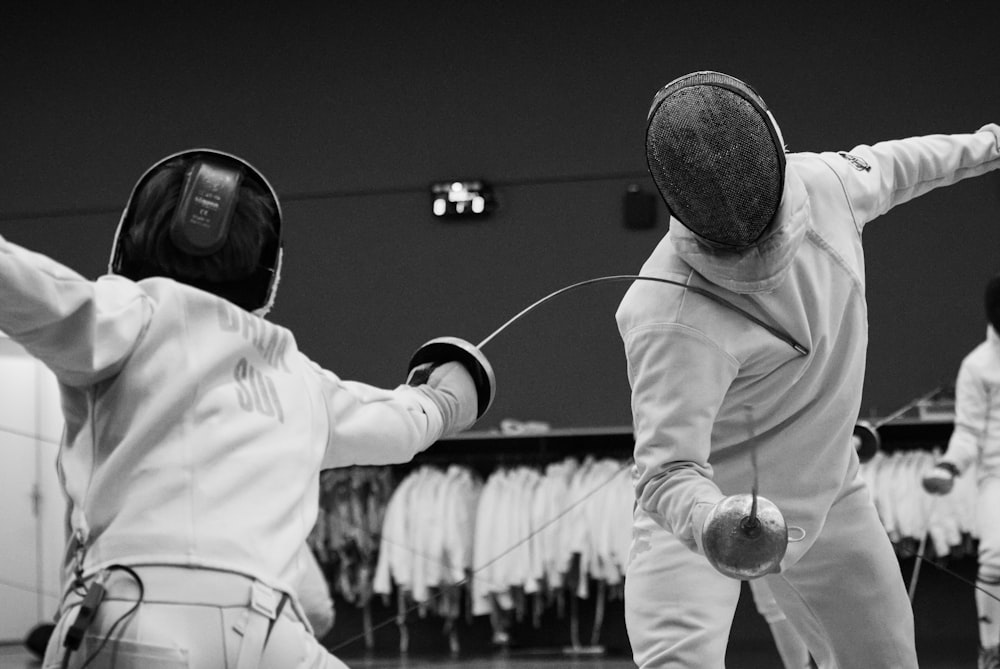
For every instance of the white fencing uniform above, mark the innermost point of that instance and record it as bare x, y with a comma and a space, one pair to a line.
975, 444
195, 434
708, 384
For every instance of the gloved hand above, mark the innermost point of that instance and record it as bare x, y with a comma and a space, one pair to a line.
460, 370
941, 479
742, 542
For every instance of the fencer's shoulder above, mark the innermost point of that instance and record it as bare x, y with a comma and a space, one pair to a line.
813, 166
112, 289
647, 301
985, 354
163, 289
116, 282
643, 297
182, 302
154, 285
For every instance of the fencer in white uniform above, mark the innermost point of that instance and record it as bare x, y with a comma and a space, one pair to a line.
975, 443
196, 430
722, 401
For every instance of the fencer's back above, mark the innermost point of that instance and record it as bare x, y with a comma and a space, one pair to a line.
202, 449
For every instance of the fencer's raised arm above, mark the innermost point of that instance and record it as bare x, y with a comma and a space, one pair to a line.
876, 178
82, 330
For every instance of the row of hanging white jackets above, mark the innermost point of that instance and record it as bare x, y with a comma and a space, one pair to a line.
426, 534
523, 528
908, 512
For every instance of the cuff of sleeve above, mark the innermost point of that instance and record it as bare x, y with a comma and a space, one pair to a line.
698, 516
949, 467
430, 409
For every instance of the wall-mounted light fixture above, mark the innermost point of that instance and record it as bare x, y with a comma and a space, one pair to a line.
460, 199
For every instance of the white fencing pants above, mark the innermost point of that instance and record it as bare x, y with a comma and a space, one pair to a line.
845, 597
791, 648
988, 574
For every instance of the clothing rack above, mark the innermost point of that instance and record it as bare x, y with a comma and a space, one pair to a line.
485, 451
590, 629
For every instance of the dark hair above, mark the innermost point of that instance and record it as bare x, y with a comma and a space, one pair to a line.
149, 251
991, 299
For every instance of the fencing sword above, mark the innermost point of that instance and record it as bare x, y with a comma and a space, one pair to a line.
453, 349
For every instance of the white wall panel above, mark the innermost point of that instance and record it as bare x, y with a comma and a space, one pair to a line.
32, 507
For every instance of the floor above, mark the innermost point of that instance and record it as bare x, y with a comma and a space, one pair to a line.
741, 657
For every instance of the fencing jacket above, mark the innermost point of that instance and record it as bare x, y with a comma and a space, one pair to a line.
976, 437
711, 389
195, 431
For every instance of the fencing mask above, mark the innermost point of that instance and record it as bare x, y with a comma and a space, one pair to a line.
717, 157
201, 224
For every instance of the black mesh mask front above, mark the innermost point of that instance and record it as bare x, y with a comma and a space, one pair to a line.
716, 157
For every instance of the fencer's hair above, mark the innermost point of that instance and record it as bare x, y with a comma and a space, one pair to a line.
147, 244
991, 300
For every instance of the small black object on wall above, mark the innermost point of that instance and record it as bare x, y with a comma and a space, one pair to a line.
639, 208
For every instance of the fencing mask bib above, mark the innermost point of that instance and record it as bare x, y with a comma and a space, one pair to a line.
717, 157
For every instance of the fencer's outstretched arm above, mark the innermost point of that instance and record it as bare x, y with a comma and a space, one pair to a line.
85, 331
371, 426
876, 178
82, 330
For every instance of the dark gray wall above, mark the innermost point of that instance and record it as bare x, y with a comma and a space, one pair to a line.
352, 109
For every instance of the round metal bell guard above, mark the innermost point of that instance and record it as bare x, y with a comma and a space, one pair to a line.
742, 547
868, 442
452, 349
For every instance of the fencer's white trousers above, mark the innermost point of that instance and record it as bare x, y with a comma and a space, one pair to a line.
988, 528
846, 596
988, 574
189, 619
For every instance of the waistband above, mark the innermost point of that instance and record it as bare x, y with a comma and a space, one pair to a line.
164, 584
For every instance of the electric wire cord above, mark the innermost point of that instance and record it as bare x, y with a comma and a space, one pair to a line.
783, 336
111, 630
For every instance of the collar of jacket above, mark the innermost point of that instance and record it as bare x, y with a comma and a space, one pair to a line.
992, 337
761, 267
